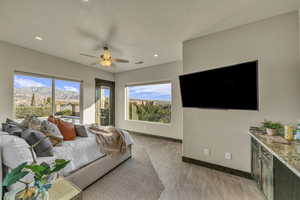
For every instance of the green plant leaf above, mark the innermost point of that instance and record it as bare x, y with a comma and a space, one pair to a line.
47, 170
15, 175
59, 164
37, 170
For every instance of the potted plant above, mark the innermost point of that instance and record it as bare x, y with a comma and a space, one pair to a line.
44, 174
272, 128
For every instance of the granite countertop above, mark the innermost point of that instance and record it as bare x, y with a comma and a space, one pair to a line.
288, 154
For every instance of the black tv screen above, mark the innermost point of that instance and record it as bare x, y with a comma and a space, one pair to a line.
232, 87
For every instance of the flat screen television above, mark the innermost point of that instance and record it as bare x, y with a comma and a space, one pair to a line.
231, 87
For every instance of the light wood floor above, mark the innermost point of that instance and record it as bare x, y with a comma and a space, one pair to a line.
177, 180
183, 181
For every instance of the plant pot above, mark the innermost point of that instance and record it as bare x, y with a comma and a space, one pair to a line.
271, 131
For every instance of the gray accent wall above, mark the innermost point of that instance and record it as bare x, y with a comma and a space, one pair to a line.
275, 43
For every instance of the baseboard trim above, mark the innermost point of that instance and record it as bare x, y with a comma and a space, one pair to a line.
156, 136
218, 167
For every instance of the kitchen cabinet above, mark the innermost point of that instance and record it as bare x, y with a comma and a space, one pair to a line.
286, 182
262, 169
273, 177
256, 163
267, 176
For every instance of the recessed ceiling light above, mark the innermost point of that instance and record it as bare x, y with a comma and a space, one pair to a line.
85, 0
38, 38
155, 55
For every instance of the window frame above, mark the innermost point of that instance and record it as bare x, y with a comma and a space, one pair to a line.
53, 88
145, 84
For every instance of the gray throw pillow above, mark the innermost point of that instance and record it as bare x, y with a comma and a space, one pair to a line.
12, 129
44, 148
81, 131
31, 122
4, 125
10, 121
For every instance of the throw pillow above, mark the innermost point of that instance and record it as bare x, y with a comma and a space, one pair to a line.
44, 147
12, 129
52, 131
53, 120
31, 122
81, 131
35, 124
4, 125
10, 121
67, 130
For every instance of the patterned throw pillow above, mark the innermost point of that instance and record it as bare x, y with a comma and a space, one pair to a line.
31, 122
44, 147
51, 130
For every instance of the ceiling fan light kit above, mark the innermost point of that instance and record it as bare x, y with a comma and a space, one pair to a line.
105, 59
105, 63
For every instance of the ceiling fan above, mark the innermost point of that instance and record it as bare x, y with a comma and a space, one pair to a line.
105, 59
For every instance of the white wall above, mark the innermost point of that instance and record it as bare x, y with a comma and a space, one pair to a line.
14, 58
169, 72
275, 43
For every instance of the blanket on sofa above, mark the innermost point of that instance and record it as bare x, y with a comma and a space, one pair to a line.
111, 140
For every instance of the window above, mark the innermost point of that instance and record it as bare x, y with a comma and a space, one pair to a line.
44, 96
32, 95
67, 100
149, 102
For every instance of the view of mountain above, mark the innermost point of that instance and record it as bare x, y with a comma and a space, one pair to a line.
24, 95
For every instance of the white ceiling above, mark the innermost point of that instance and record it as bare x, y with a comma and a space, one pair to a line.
137, 29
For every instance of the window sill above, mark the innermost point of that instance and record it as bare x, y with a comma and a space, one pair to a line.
147, 122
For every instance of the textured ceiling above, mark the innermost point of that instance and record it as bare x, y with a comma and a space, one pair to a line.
135, 29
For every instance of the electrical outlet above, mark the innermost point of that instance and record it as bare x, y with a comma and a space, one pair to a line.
228, 156
206, 152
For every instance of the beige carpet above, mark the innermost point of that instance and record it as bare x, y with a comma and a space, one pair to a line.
156, 172
132, 180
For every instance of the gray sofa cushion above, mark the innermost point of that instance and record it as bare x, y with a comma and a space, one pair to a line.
81, 131
44, 148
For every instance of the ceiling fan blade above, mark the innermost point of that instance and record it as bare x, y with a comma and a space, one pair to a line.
111, 34
89, 35
87, 55
119, 60
94, 63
